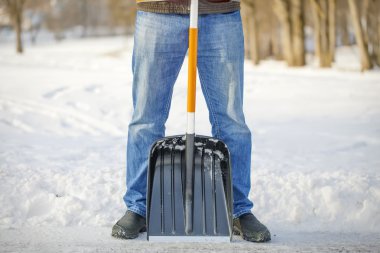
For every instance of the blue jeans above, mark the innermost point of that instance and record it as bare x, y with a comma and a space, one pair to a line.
160, 46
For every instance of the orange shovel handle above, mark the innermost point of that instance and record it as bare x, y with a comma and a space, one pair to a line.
192, 74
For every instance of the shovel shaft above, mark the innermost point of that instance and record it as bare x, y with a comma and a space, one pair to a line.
192, 71
189, 184
192, 78
190, 132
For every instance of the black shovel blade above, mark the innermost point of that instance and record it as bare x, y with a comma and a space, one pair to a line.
212, 192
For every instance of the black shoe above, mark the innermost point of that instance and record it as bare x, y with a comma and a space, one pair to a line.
251, 229
129, 226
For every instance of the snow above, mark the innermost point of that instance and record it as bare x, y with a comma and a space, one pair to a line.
64, 113
97, 239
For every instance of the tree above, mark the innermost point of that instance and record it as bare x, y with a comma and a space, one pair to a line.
332, 29
251, 31
323, 12
359, 35
123, 12
275, 43
245, 19
281, 8
342, 23
298, 40
370, 13
15, 11
289, 12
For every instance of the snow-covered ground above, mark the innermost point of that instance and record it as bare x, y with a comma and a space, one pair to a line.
64, 112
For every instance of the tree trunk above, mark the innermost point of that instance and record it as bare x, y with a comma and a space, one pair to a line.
18, 26
363, 47
297, 33
365, 24
370, 10
15, 9
324, 41
325, 54
245, 21
377, 30
254, 40
274, 41
282, 11
317, 29
252, 27
346, 41
332, 29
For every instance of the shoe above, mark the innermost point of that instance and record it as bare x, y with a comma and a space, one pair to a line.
251, 229
129, 226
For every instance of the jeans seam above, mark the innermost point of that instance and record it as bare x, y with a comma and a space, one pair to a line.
208, 101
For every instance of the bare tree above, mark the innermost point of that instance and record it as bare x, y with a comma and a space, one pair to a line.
281, 8
375, 30
275, 43
245, 20
298, 40
123, 12
325, 59
370, 13
15, 11
332, 29
283, 37
317, 13
251, 29
290, 15
359, 35
342, 23
323, 12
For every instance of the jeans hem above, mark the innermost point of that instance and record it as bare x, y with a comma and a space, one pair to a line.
137, 211
240, 213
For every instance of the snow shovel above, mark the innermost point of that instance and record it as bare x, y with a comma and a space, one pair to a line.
189, 190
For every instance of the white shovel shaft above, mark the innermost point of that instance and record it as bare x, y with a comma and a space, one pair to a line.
190, 123
194, 14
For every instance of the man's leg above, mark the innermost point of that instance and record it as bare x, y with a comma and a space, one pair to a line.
160, 45
221, 66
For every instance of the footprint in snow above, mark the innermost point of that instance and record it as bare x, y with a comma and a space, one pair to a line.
79, 105
93, 88
55, 93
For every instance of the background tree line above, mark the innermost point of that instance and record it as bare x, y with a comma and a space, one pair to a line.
60, 17
280, 29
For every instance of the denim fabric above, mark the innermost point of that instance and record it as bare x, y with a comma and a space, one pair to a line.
160, 46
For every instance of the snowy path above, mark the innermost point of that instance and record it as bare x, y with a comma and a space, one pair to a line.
64, 112
90, 239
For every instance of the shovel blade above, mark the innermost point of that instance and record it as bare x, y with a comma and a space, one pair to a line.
212, 195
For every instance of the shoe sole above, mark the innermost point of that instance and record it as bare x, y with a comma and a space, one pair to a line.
121, 234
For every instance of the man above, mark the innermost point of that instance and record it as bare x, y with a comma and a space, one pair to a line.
160, 46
